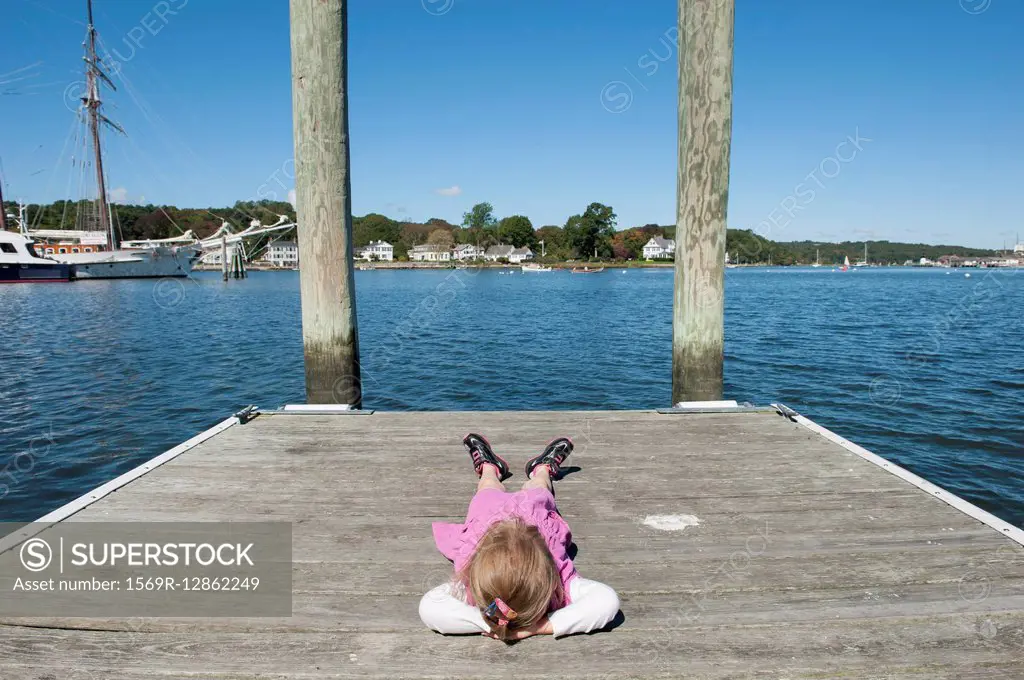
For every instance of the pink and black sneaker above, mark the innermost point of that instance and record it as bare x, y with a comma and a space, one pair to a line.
554, 455
482, 454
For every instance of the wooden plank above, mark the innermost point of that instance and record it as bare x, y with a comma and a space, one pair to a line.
808, 562
318, 611
894, 647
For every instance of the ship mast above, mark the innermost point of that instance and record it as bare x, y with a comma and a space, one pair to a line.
93, 74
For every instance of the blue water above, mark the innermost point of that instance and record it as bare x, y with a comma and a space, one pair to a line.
923, 367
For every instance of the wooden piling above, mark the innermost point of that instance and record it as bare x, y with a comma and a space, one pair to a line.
224, 257
702, 195
319, 40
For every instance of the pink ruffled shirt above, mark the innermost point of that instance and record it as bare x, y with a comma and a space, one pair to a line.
536, 507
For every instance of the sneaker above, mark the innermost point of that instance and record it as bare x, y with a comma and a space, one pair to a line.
482, 454
554, 455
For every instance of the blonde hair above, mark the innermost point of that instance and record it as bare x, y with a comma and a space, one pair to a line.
512, 562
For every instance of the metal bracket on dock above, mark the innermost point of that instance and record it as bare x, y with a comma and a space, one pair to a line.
247, 414
786, 411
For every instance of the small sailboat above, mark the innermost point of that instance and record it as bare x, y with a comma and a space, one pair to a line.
846, 263
817, 258
864, 262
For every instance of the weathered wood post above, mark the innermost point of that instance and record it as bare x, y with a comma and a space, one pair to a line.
319, 39
702, 195
224, 257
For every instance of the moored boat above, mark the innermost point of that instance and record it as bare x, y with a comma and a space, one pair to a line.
586, 270
535, 268
19, 262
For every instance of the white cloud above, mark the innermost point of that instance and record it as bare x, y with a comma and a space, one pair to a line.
291, 197
119, 195
450, 191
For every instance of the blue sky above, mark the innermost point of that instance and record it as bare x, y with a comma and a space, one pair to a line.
543, 106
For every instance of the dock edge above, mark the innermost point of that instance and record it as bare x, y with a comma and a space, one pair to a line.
1005, 528
35, 527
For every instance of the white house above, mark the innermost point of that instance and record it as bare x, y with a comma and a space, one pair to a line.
278, 254
467, 251
1019, 248
376, 251
520, 255
659, 248
429, 253
495, 253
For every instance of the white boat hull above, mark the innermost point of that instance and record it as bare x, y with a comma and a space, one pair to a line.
147, 263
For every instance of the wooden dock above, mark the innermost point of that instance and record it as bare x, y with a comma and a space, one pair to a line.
810, 559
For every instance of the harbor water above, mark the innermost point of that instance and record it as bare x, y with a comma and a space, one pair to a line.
922, 366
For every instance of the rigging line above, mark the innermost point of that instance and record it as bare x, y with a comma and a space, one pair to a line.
38, 86
164, 179
19, 70
156, 122
154, 168
17, 80
173, 223
84, 180
78, 165
54, 12
110, 204
71, 176
72, 129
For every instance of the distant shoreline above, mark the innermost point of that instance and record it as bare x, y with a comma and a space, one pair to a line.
367, 266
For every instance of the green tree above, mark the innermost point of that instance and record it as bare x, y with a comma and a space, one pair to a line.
592, 231
517, 230
555, 245
480, 216
375, 227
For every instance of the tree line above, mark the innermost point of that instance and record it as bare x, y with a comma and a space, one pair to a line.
591, 234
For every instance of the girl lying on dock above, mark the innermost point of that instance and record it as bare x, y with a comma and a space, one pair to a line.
513, 575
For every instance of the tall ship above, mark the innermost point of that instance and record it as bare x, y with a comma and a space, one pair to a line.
92, 247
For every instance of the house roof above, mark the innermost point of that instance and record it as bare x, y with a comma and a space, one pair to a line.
521, 251
381, 243
284, 244
500, 250
665, 243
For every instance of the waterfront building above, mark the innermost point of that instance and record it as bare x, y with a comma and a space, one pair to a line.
375, 251
659, 248
467, 251
520, 255
430, 253
495, 253
279, 253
